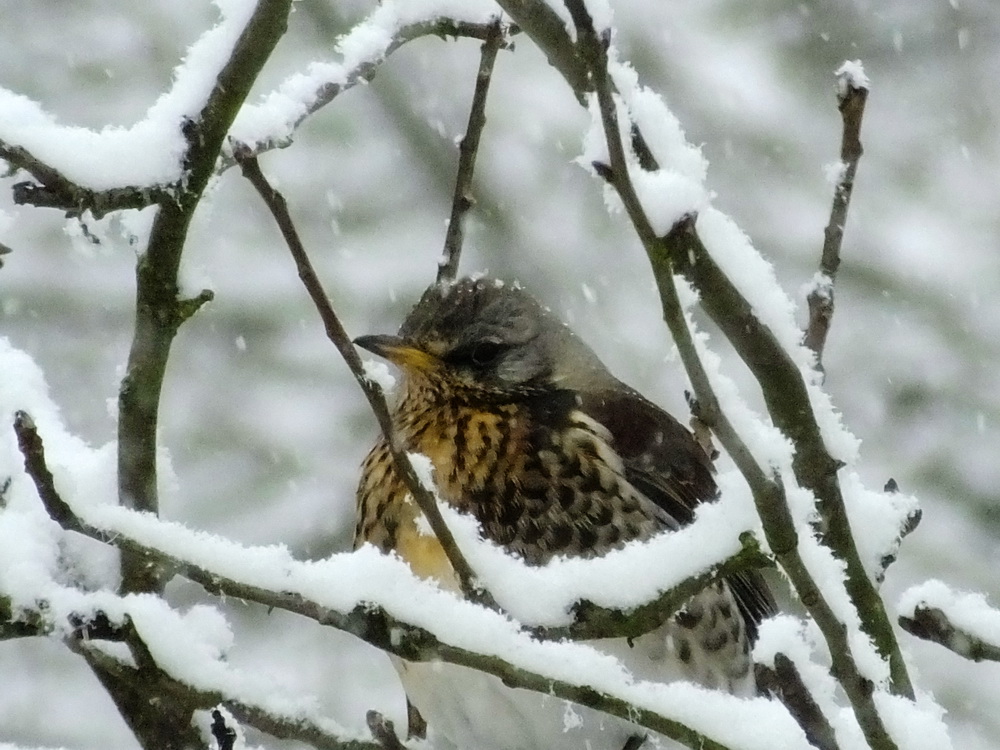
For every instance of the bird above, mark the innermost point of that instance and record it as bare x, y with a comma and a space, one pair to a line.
529, 432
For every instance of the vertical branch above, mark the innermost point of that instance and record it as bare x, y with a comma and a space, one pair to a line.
158, 311
852, 94
467, 150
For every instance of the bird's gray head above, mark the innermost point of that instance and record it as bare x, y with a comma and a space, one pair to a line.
488, 335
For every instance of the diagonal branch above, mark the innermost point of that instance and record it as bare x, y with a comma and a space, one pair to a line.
768, 495
788, 404
324, 92
463, 199
852, 94
372, 390
784, 681
932, 624
547, 30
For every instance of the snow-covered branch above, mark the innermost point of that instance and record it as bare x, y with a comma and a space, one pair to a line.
271, 123
963, 623
778, 522
403, 615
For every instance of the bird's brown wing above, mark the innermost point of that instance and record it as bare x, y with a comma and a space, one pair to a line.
664, 462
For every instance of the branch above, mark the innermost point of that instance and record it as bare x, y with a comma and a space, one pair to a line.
171, 691
932, 624
463, 199
784, 681
369, 622
364, 72
768, 493
383, 731
158, 311
591, 622
55, 190
852, 93
373, 392
547, 30
147, 678
225, 736
788, 404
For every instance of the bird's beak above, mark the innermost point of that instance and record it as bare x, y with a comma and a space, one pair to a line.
399, 351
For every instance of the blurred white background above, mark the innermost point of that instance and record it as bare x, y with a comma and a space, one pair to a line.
264, 424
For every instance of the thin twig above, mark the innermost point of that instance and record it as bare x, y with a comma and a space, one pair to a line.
784, 681
467, 150
373, 392
932, 624
852, 95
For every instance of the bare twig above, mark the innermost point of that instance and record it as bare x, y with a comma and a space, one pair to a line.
463, 199
852, 94
932, 624
373, 392
784, 681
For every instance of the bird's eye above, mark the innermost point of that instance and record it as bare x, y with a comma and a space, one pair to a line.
479, 354
485, 352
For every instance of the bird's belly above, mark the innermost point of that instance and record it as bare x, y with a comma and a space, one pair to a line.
470, 710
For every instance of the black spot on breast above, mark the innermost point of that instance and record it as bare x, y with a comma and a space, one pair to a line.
587, 538
560, 536
567, 496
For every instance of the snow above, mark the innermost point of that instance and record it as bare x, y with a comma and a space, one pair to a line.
149, 152
820, 284
834, 172
967, 611
378, 372
851, 73
669, 559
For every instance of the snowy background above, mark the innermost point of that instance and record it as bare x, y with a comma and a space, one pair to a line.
263, 422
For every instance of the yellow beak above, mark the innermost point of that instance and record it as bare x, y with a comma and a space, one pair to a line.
399, 351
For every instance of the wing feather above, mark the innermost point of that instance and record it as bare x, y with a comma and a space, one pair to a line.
664, 461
